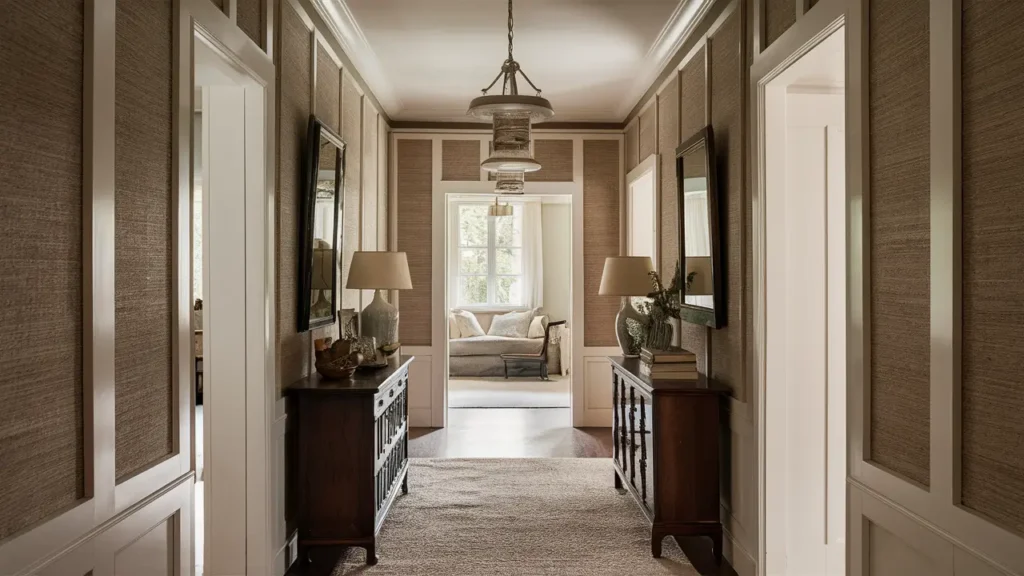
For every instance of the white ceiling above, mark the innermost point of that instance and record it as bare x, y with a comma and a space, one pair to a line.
426, 59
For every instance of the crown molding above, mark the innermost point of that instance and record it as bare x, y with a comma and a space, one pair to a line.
349, 35
666, 46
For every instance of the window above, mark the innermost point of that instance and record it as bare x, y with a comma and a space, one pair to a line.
642, 210
489, 257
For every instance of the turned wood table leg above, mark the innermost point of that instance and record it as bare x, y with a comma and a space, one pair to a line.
656, 538
618, 481
371, 554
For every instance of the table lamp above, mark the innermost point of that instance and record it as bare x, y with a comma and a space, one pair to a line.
379, 271
626, 276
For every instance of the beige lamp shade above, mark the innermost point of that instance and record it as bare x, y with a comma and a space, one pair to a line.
379, 271
702, 284
626, 276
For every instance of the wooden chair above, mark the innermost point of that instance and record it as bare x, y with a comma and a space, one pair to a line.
541, 358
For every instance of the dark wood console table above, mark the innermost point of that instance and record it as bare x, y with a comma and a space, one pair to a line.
666, 451
351, 447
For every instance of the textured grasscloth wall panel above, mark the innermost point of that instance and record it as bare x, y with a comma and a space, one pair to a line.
993, 268
632, 145
648, 132
143, 260
601, 213
900, 204
370, 174
41, 436
460, 160
328, 89
294, 97
414, 186
219, 3
555, 157
668, 140
250, 19
779, 15
692, 117
728, 359
351, 131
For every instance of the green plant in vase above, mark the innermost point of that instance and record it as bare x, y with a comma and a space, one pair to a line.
662, 305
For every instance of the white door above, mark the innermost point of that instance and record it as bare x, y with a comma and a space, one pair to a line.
232, 165
806, 400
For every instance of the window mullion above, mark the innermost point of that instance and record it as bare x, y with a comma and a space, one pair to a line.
492, 289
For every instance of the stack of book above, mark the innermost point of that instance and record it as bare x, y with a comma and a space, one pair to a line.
669, 364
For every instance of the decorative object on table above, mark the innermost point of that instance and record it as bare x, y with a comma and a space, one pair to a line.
511, 116
372, 356
379, 271
319, 243
661, 307
197, 314
668, 364
390, 349
338, 360
348, 320
627, 276
702, 299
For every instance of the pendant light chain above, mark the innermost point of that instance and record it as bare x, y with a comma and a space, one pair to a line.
511, 25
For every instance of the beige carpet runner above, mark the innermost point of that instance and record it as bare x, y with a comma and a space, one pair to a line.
515, 517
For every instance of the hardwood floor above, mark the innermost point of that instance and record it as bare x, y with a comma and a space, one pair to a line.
510, 433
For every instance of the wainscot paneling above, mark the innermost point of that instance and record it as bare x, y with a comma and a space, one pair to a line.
555, 157
779, 15
41, 259
898, 115
143, 234
632, 138
668, 139
250, 18
648, 131
352, 133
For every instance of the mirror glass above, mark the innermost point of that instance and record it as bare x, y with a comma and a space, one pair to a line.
697, 229
323, 233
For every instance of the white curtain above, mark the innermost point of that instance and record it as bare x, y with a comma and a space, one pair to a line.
533, 256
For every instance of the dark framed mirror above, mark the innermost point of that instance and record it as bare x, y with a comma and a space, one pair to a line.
701, 296
320, 241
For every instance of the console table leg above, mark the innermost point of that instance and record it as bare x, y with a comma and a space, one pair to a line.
618, 481
656, 538
371, 554
405, 484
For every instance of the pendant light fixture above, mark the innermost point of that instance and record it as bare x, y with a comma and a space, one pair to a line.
499, 210
511, 116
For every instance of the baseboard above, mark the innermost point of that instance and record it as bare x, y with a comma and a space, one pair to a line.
741, 560
285, 556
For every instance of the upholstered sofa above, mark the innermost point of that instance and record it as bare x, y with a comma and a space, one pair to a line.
480, 356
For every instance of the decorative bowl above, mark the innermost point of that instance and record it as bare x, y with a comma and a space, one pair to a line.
338, 361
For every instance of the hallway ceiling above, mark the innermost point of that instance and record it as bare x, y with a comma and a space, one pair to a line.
425, 60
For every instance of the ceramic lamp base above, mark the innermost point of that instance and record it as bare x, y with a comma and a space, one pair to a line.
380, 320
628, 344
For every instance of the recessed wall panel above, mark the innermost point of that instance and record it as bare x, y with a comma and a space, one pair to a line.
352, 133
900, 238
250, 19
460, 160
632, 144
414, 160
728, 359
143, 214
555, 157
328, 89
293, 347
648, 132
779, 15
993, 266
41, 195
601, 189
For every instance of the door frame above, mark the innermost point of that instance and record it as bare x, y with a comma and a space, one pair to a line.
827, 17
199, 20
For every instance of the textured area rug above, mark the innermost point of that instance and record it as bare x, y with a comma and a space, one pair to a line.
520, 516
511, 393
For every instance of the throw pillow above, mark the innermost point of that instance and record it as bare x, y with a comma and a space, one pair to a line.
467, 324
538, 326
453, 327
512, 325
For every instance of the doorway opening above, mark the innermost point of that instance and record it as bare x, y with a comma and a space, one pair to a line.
804, 393
229, 322
509, 352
